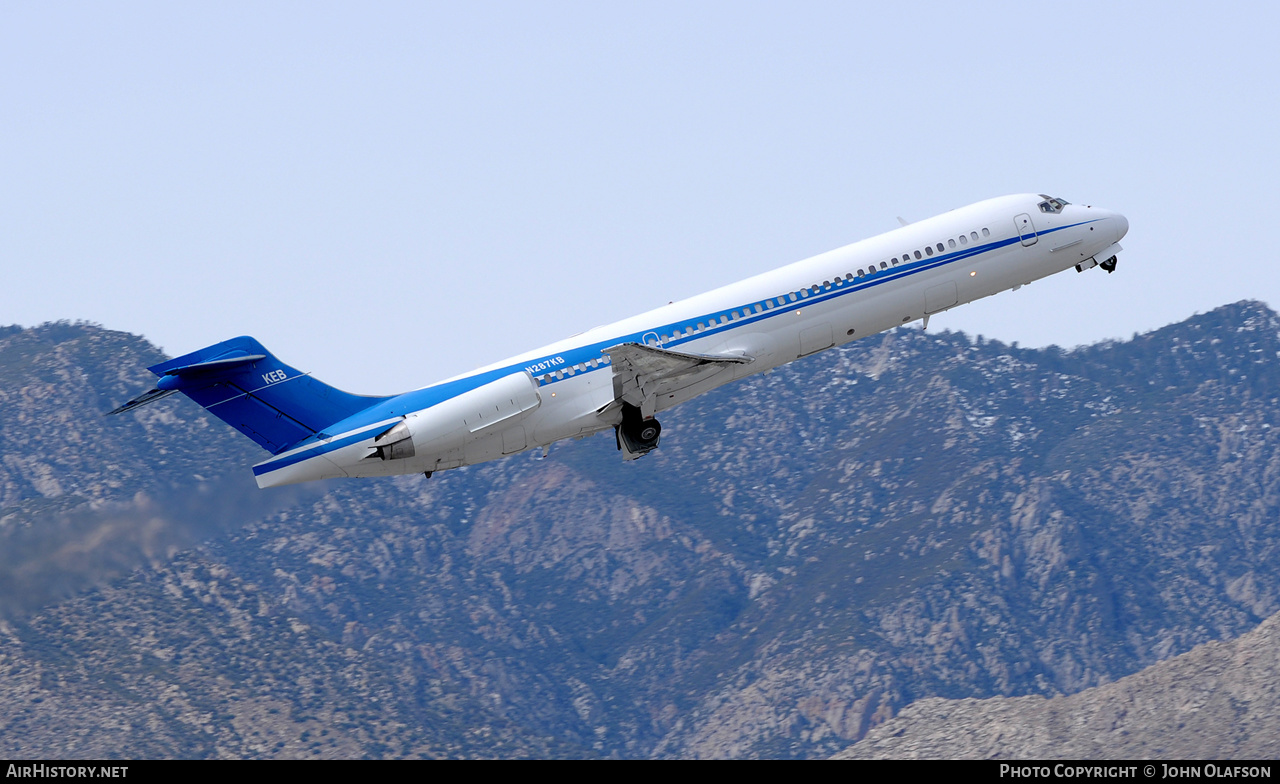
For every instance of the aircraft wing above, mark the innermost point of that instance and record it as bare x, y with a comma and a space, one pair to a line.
643, 373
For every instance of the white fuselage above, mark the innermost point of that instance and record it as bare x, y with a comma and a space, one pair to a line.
567, 389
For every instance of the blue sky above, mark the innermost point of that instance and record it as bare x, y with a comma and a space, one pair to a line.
386, 194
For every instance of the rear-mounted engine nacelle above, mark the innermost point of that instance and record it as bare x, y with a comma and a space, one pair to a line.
394, 444
452, 422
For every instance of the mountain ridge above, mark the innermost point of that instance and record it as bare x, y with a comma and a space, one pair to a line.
910, 516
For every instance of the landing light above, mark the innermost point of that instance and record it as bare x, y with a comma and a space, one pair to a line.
972, 274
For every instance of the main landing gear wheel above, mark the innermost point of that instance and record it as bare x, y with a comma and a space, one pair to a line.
649, 432
637, 436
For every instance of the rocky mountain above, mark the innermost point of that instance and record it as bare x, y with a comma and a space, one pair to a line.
1220, 700
914, 515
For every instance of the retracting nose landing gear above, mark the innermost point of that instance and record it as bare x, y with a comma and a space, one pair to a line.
637, 436
1109, 265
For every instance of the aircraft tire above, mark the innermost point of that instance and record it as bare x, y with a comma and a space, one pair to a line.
648, 432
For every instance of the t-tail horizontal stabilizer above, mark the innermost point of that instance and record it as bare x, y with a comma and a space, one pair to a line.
244, 385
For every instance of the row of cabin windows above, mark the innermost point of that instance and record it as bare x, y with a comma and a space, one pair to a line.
581, 367
928, 251
770, 304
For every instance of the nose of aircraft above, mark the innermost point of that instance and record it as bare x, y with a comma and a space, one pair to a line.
1121, 224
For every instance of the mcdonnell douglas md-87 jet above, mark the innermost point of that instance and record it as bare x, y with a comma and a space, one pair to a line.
622, 375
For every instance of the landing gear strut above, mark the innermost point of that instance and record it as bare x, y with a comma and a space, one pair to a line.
637, 436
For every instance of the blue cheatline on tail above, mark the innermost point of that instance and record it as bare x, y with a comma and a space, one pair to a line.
244, 385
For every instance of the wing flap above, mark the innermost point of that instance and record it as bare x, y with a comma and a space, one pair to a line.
642, 373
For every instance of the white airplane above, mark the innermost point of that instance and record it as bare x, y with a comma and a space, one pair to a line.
622, 374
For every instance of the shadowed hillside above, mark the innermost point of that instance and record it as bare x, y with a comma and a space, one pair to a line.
1218, 701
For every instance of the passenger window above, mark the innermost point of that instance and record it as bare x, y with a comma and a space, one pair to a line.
860, 273
793, 296
974, 235
917, 254
769, 304
724, 319
883, 265
782, 300
951, 243
985, 233
928, 250
848, 276
701, 326
759, 309
964, 240
895, 261
940, 248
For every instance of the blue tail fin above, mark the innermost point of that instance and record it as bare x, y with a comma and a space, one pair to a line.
241, 383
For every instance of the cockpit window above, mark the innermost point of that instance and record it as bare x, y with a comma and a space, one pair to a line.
1052, 205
